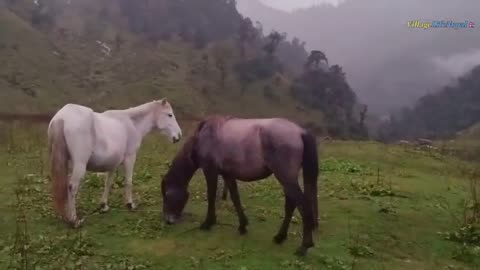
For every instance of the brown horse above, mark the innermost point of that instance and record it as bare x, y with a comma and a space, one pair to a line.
247, 150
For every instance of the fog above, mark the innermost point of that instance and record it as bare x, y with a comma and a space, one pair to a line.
387, 64
291, 5
459, 63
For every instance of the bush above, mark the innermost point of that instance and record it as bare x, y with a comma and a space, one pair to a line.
259, 68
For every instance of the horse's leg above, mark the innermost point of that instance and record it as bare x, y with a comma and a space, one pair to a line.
70, 166
243, 221
129, 163
225, 192
294, 197
108, 185
289, 209
285, 164
305, 209
79, 170
212, 182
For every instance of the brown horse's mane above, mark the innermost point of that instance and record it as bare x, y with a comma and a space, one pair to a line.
215, 119
182, 167
212, 122
185, 162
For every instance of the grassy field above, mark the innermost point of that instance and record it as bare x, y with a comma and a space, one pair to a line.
466, 144
382, 207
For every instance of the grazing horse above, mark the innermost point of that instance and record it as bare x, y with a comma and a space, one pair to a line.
247, 150
86, 140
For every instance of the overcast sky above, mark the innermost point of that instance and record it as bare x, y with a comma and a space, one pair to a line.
387, 64
289, 5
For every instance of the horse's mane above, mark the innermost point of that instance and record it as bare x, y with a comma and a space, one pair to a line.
213, 121
183, 165
185, 162
136, 111
139, 110
186, 156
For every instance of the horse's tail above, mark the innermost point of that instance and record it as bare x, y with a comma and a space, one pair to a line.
310, 172
59, 166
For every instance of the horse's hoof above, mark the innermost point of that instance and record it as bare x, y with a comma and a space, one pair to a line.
279, 239
242, 230
80, 222
131, 206
104, 208
206, 226
77, 223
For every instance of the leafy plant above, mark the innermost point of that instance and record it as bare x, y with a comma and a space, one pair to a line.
361, 251
466, 253
468, 234
344, 166
372, 188
296, 264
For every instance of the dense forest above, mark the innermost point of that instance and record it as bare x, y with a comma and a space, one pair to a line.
209, 58
440, 114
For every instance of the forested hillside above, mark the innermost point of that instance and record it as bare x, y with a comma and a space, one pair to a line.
441, 114
388, 64
201, 54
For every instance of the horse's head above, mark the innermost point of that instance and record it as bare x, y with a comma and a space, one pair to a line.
175, 198
165, 121
175, 182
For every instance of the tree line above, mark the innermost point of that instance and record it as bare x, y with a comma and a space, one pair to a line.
438, 115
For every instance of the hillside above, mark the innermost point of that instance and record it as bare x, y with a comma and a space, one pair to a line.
442, 114
466, 144
472, 133
41, 73
114, 55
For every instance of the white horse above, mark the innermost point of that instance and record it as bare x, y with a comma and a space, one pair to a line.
86, 140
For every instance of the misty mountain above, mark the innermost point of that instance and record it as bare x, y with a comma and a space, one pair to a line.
201, 54
441, 114
387, 64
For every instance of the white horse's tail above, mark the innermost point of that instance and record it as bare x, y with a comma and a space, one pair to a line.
59, 166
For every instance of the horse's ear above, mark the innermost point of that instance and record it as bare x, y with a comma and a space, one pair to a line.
162, 101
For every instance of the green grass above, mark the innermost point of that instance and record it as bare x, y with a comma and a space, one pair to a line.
382, 207
466, 144
472, 133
